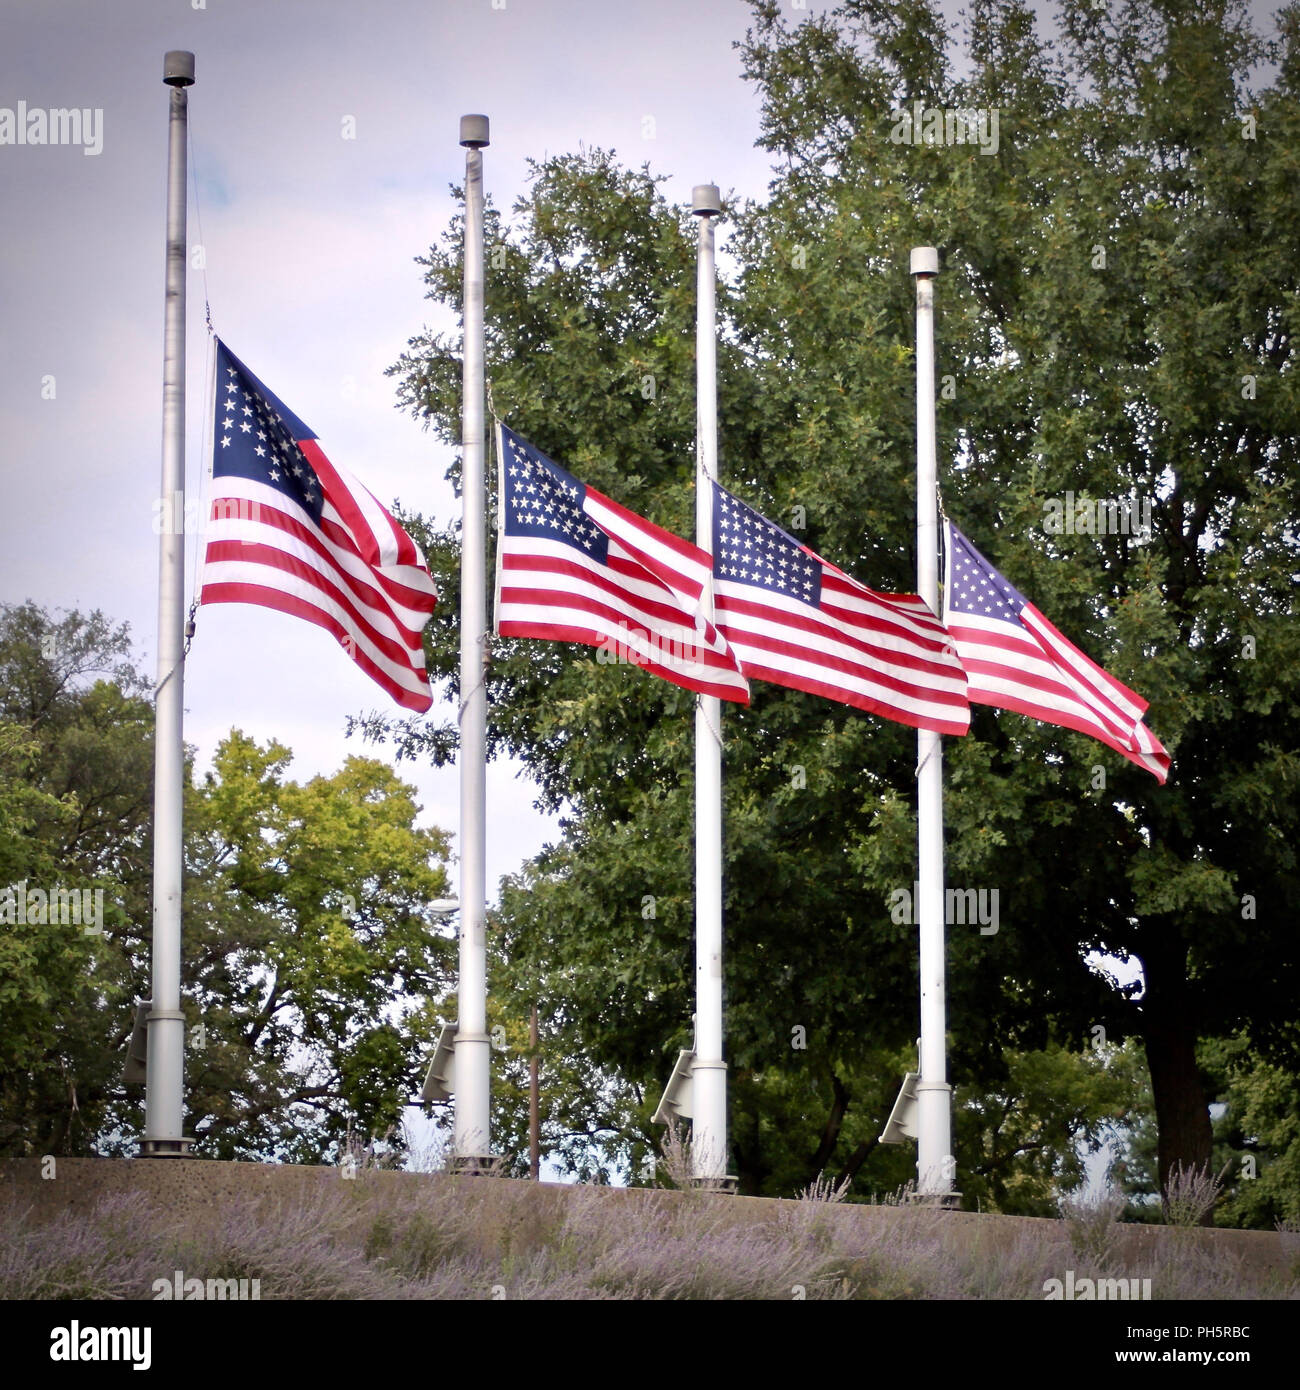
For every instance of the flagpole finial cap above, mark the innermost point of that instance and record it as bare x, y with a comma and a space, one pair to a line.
925, 260
474, 132
705, 200
178, 68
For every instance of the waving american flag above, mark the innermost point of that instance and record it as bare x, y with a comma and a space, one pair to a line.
794, 619
1017, 660
574, 566
289, 530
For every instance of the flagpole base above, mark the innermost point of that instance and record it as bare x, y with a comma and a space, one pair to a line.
937, 1201
727, 1185
476, 1166
165, 1148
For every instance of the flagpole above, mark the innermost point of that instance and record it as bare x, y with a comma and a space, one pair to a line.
165, 1023
473, 1058
709, 1071
935, 1166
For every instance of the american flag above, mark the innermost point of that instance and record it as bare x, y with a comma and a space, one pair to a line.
574, 566
796, 620
1017, 660
288, 530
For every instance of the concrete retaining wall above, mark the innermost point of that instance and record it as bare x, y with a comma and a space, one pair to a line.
196, 1189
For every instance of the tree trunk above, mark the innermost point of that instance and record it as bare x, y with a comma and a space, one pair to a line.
856, 1159
831, 1132
1169, 1033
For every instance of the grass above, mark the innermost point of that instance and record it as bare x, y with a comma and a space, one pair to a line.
470, 1238
1090, 1222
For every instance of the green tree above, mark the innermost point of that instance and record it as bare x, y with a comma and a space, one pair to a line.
1115, 315
1257, 1134
75, 776
312, 966
1117, 288
1029, 1141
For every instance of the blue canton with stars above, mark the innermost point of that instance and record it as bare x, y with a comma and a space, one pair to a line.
541, 499
749, 549
256, 437
974, 586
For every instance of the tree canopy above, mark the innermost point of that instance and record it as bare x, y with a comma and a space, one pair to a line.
312, 964
1114, 320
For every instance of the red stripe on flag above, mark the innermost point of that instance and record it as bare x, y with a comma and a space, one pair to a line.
362, 537
265, 597
251, 553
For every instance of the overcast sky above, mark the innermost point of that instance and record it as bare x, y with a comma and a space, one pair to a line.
309, 240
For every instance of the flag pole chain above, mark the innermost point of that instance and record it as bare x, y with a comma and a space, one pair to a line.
485, 641
198, 217
943, 516
158, 689
712, 727
209, 424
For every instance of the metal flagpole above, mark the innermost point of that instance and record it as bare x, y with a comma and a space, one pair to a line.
165, 1045
473, 1058
935, 1165
709, 1071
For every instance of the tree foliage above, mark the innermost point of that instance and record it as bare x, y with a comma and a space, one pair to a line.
75, 776
1116, 309
312, 965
